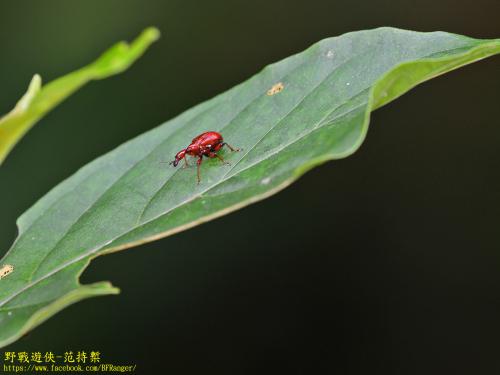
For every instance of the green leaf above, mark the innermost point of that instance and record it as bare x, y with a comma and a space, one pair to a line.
312, 107
39, 100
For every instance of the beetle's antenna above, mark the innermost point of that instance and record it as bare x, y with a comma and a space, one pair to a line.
168, 162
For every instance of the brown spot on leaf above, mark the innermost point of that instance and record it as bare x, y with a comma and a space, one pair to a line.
6, 270
278, 87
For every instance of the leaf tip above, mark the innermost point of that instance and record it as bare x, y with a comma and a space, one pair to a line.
147, 37
120, 56
36, 81
151, 34
33, 89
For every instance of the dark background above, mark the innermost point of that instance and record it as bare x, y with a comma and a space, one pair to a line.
385, 262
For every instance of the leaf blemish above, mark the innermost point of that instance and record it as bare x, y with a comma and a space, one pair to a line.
6, 270
266, 180
277, 88
330, 54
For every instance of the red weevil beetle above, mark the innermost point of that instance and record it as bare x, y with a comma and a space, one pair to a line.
206, 144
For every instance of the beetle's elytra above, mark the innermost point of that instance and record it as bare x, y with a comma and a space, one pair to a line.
206, 144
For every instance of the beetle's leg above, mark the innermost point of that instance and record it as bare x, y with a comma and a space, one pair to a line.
186, 164
222, 159
198, 162
231, 148
214, 155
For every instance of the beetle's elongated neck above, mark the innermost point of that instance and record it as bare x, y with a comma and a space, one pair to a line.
180, 155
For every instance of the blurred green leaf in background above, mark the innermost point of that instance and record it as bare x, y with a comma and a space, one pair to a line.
38, 100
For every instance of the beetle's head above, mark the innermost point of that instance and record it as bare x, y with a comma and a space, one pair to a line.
180, 155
